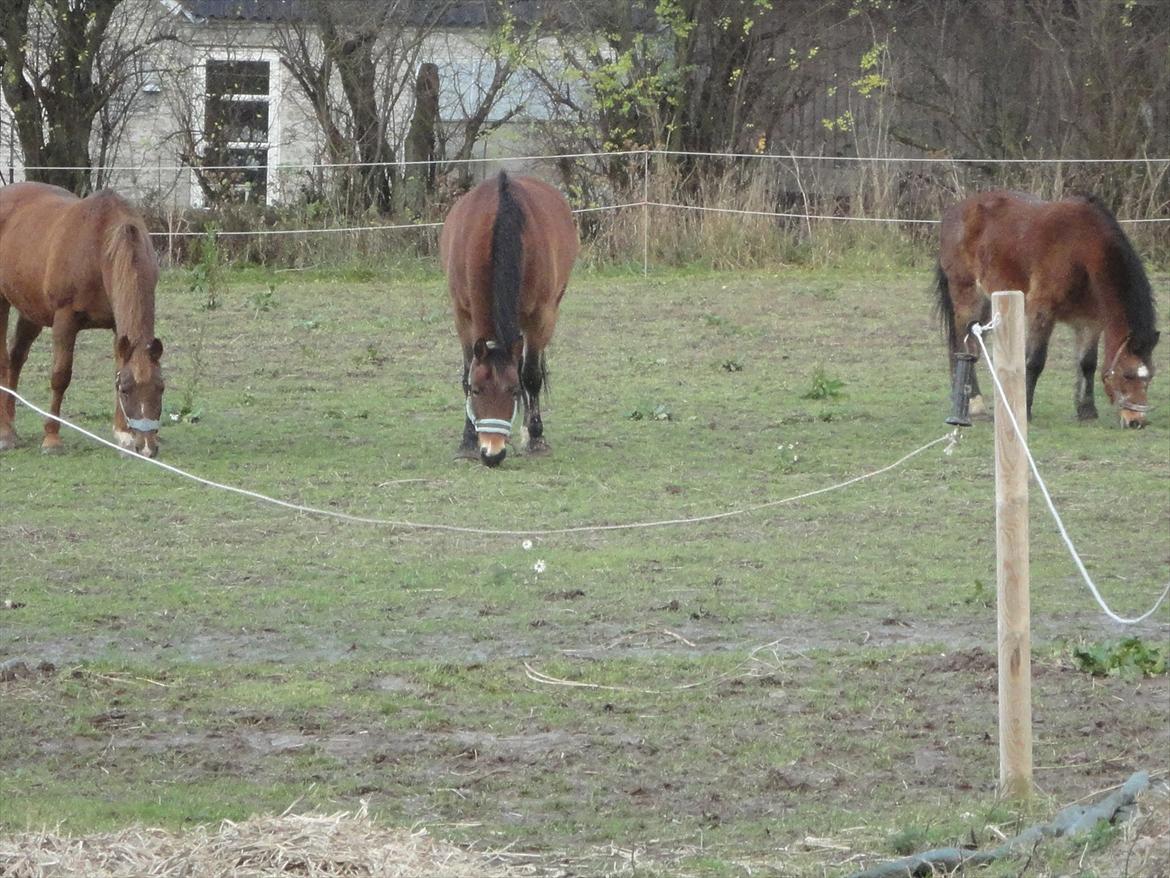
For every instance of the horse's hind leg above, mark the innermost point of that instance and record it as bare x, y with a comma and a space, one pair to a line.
532, 377
1087, 338
971, 306
7, 403
23, 336
1039, 331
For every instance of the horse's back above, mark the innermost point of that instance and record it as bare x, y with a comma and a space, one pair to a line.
53, 248
550, 228
1012, 240
549, 247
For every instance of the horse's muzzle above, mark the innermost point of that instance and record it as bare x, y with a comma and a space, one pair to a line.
1133, 415
492, 460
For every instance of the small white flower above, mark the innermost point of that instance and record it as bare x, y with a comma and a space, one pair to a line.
526, 545
539, 567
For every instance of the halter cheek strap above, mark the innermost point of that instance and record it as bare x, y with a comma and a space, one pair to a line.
492, 425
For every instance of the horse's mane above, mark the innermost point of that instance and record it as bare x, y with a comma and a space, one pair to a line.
507, 265
127, 248
1124, 270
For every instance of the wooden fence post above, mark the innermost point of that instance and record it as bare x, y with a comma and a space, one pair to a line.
1011, 544
645, 212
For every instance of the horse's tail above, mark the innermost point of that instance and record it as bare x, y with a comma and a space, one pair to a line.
133, 272
507, 264
1127, 275
944, 306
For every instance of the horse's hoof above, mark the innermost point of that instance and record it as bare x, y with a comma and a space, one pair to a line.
7, 443
537, 447
463, 452
1086, 414
55, 448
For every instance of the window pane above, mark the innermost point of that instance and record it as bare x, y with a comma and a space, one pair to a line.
229, 121
246, 182
237, 78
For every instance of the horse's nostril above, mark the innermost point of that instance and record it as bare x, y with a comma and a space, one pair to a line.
493, 459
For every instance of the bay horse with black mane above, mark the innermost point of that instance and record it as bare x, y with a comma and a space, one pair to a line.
507, 247
69, 264
1074, 265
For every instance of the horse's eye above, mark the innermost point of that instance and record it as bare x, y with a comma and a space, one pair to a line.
475, 391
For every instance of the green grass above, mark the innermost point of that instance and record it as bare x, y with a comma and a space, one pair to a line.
216, 657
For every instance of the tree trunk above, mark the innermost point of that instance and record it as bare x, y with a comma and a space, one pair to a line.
420, 140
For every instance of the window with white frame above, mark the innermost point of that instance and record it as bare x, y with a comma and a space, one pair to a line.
238, 118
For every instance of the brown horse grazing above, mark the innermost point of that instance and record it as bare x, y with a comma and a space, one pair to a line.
1074, 265
507, 248
70, 264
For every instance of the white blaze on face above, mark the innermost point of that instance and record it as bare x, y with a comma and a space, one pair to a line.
1143, 371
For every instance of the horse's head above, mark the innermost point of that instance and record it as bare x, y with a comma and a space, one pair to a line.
493, 394
1127, 381
139, 386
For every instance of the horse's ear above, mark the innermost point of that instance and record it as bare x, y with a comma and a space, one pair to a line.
155, 350
124, 348
481, 349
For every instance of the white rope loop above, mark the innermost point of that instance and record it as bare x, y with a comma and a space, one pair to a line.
978, 331
453, 528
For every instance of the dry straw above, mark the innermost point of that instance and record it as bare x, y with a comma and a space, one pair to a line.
315, 846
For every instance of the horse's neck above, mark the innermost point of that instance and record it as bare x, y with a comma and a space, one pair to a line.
133, 313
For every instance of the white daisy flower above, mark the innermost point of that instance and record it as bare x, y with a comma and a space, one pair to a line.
539, 567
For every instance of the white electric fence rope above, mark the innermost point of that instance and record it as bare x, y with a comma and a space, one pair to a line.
310, 166
977, 330
861, 159
327, 230
804, 216
453, 528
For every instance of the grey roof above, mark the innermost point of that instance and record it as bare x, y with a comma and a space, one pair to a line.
461, 13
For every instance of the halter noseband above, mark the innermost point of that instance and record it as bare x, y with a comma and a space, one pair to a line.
492, 425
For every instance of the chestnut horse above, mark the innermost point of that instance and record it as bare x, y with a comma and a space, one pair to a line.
70, 264
1074, 265
507, 247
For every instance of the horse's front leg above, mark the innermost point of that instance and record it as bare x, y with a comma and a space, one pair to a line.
65, 328
1087, 338
122, 434
469, 445
532, 380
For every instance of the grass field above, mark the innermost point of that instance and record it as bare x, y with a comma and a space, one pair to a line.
800, 690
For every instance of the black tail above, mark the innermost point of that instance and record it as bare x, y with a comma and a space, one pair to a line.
944, 307
507, 265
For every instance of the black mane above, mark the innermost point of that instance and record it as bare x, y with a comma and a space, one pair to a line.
507, 265
1123, 268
